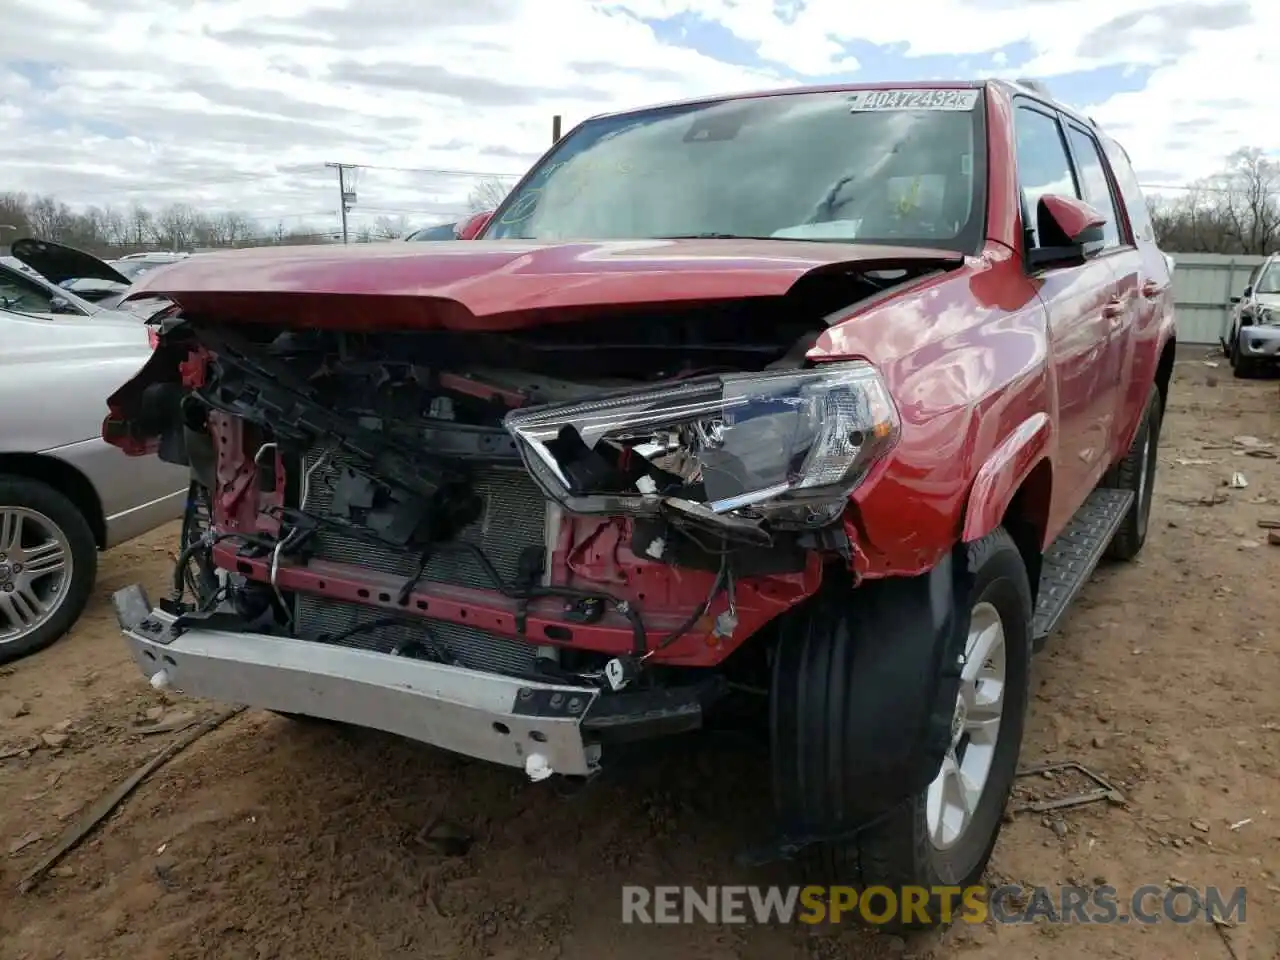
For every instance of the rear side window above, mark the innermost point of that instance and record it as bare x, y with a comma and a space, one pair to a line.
1134, 202
1043, 164
1094, 183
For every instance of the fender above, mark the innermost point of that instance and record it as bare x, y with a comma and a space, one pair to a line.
1004, 471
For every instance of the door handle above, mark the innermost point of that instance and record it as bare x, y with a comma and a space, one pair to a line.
1151, 289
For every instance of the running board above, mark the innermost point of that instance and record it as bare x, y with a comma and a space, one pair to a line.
1073, 556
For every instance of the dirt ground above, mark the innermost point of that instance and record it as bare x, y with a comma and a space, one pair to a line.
270, 839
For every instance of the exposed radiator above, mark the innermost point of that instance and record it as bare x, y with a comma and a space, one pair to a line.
513, 519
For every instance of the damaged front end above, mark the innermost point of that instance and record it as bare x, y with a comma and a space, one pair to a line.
499, 522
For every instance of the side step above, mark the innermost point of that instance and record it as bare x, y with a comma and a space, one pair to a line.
1071, 559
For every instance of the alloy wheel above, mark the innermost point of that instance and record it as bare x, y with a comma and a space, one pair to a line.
35, 571
952, 799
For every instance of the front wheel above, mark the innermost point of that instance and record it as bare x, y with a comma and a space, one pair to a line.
943, 835
1242, 368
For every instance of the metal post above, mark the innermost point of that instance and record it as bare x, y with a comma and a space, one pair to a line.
345, 197
555, 129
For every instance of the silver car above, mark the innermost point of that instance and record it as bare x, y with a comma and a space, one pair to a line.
1254, 340
65, 493
23, 290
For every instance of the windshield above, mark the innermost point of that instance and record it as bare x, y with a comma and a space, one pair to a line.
441, 231
902, 167
1269, 282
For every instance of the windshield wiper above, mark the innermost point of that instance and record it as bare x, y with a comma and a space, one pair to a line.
710, 236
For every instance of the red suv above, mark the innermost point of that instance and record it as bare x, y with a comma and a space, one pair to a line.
807, 410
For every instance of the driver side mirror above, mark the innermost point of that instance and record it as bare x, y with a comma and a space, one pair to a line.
474, 225
1068, 229
61, 305
1248, 292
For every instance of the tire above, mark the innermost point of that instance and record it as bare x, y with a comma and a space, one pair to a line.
47, 517
906, 846
1242, 368
1137, 473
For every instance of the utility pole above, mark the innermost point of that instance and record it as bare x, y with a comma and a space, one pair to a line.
345, 197
555, 129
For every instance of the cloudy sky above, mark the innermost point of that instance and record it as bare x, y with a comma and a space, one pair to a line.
239, 104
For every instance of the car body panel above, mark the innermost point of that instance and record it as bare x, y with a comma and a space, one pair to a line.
134, 498
497, 284
58, 371
1258, 341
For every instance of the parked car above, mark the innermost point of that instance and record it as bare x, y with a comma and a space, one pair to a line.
834, 460
90, 278
24, 290
1253, 341
65, 494
133, 265
440, 231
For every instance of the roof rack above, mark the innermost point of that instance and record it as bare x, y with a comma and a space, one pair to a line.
1034, 85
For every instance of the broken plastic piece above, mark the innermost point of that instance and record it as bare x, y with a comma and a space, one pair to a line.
620, 672
161, 680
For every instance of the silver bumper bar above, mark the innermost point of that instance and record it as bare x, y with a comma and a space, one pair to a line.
518, 723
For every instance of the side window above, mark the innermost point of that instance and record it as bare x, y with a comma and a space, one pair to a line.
21, 295
1043, 164
1134, 201
1096, 186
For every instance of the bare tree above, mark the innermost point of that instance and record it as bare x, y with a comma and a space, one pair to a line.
50, 219
1235, 211
487, 194
390, 228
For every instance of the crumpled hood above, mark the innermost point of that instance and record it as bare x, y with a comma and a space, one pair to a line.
496, 284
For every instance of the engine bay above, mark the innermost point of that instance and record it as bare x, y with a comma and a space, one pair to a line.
386, 472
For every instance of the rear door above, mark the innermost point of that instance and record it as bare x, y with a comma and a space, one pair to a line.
1153, 300
1080, 302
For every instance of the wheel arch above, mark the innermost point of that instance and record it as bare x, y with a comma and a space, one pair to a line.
64, 478
1026, 518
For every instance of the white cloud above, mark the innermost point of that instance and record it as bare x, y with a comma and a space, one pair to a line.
238, 104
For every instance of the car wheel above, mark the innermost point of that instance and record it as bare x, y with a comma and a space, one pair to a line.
48, 562
1137, 472
1242, 368
942, 836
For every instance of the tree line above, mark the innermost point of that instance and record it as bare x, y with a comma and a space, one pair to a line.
1235, 211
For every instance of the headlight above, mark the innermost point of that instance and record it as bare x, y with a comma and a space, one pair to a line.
788, 447
1266, 315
